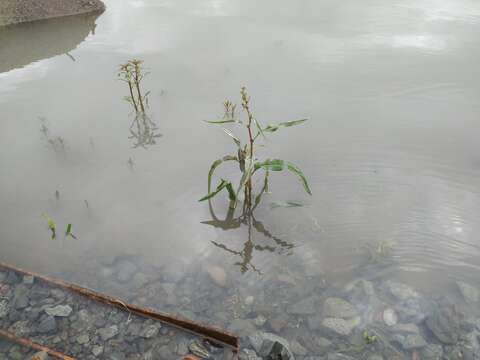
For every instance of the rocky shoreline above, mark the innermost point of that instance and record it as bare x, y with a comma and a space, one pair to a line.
290, 314
21, 11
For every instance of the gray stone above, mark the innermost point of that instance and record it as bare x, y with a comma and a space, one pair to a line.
390, 317
139, 280
338, 308
270, 346
338, 356
108, 332
248, 354
20, 297
28, 280
125, 270
375, 357
444, 324
406, 329
241, 327
260, 320
305, 306
401, 291
47, 325
97, 350
470, 293
297, 348
4, 308
150, 331
59, 310
411, 341
338, 326
431, 352
41, 355
83, 339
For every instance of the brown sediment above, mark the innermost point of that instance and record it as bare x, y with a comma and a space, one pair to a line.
21, 11
28, 343
211, 333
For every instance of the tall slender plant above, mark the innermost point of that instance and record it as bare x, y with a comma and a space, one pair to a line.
246, 157
133, 73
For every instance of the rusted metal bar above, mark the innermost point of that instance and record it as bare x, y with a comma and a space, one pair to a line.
209, 332
31, 344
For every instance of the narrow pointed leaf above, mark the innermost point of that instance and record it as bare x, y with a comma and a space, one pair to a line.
273, 165
235, 139
222, 185
215, 164
275, 127
296, 170
285, 204
219, 121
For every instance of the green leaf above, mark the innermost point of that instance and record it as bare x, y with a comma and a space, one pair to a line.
51, 225
235, 139
259, 128
275, 127
69, 229
219, 121
285, 204
247, 174
222, 185
296, 170
215, 164
273, 165
258, 198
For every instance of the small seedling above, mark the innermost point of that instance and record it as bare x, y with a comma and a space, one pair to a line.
68, 232
133, 73
51, 225
369, 338
246, 156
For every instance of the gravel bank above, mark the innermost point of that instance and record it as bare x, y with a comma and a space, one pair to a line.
19, 11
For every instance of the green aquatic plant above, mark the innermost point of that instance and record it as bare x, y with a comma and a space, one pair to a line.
246, 157
368, 337
57, 142
51, 225
379, 251
53, 228
133, 73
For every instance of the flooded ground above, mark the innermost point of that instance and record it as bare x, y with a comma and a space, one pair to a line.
391, 151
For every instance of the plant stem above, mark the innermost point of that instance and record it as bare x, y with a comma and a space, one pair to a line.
137, 84
131, 95
245, 104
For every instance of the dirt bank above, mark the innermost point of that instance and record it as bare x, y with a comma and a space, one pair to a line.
19, 11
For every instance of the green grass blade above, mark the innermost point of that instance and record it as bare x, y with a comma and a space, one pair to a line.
215, 164
219, 122
296, 170
275, 127
235, 139
285, 204
69, 230
272, 165
219, 188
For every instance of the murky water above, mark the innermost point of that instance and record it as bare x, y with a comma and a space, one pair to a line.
391, 147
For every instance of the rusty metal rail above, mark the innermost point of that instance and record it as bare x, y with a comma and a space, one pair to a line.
28, 343
209, 332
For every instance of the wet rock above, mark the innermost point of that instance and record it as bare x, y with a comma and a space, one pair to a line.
150, 331
375, 357
47, 325
444, 324
199, 350
108, 332
270, 346
97, 350
59, 310
20, 297
260, 320
390, 317
28, 279
58, 294
218, 275
41, 355
406, 329
338, 326
125, 270
401, 291
4, 308
20, 328
338, 308
470, 293
139, 280
411, 341
471, 346
248, 354
182, 347
338, 356
305, 306
249, 300
278, 323
453, 353
241, 327
83, 339
431, 352
360, 291
297, 348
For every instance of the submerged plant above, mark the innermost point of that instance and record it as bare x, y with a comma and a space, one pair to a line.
57, 142
133, 74
246, 156
51, 225
68, 232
